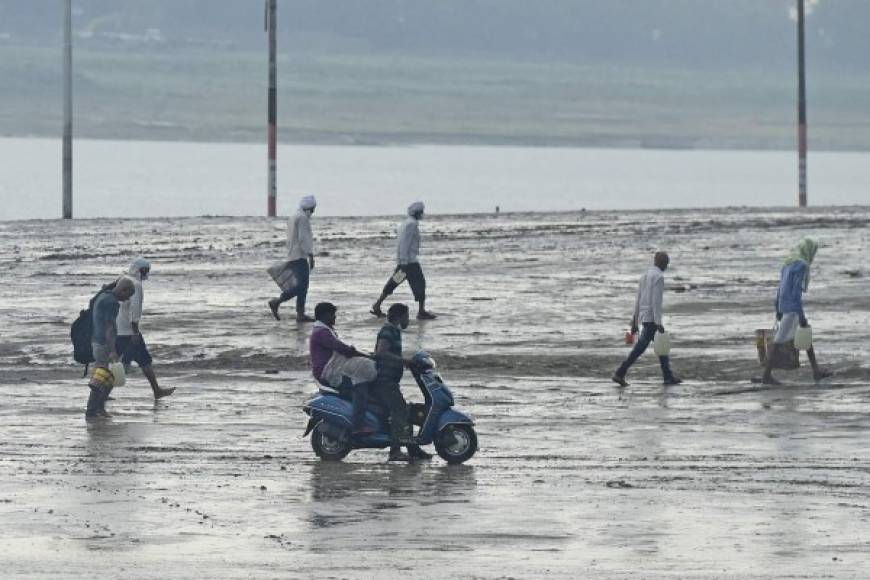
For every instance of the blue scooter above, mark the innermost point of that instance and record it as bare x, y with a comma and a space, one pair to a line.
452, 432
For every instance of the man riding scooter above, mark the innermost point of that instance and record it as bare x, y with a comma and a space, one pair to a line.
390, 366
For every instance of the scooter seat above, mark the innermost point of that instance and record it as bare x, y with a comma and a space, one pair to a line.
345, 392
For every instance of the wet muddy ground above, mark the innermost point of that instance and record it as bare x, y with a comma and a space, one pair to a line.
714, 478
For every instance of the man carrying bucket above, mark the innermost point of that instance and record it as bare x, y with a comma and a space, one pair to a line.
408, 266
292, 276
648, 313
105, 333
793, 282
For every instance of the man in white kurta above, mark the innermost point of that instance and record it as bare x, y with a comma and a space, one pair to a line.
130, 344
408, 264
300, 260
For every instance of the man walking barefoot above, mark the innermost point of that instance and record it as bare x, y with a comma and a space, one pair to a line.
648, 313
794, 280
300, 255
130, 344
408, 267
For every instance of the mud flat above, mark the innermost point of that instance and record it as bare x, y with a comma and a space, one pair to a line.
714, 478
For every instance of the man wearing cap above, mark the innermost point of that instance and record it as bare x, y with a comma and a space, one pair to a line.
408, 266
300, 249
130, 345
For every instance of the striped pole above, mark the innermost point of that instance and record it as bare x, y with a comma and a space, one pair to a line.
802, 110
272, 178
67, 111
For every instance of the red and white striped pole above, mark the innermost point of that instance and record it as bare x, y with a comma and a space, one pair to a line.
67, 112
272, 178
802, 110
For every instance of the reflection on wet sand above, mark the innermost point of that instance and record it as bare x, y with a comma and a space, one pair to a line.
713, 478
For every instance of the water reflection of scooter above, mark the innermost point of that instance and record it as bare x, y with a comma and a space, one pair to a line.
452, 432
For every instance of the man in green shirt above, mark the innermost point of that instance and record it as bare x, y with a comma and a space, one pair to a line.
390, 365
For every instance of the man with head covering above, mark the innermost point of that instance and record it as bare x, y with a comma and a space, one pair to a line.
104, 333
300, 255
408, 267
794, 280
648, 314
130, 344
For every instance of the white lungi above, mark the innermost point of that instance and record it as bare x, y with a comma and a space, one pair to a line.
787, 327
358, 369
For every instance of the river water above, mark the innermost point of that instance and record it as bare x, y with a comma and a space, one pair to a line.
714, 478
171, 179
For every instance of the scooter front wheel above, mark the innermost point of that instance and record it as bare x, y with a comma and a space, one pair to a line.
456, 443
326, 446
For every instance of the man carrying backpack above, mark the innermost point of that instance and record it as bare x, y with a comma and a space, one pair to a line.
130, 344
104, 334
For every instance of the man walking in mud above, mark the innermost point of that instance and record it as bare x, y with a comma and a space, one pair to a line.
130, 344
794, 280
408, 267
293, 277
105, 333
648, 314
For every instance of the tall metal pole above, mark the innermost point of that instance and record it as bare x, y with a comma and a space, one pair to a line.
802, 110
67, 112
271, 25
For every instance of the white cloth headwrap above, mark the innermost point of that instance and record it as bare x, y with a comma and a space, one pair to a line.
137, 265
307, 202
415, 207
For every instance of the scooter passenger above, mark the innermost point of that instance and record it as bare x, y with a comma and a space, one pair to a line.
333, 360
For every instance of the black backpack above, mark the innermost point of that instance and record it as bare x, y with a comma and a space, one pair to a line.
82, 331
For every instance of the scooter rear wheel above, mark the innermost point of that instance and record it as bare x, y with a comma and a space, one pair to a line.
327, 447
456, 443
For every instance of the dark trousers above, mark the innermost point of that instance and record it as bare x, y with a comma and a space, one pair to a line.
646, 337
389, 393
416, 280
97, 400
300, 291
360, 396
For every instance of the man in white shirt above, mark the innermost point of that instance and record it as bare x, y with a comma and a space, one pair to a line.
408, 266
300, 256
129, 343
648, 313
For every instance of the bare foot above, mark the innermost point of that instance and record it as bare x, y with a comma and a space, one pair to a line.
160, 393
273, 306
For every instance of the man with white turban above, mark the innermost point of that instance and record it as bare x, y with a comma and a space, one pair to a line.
794, 280
300, 256
130, 345
408, 266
